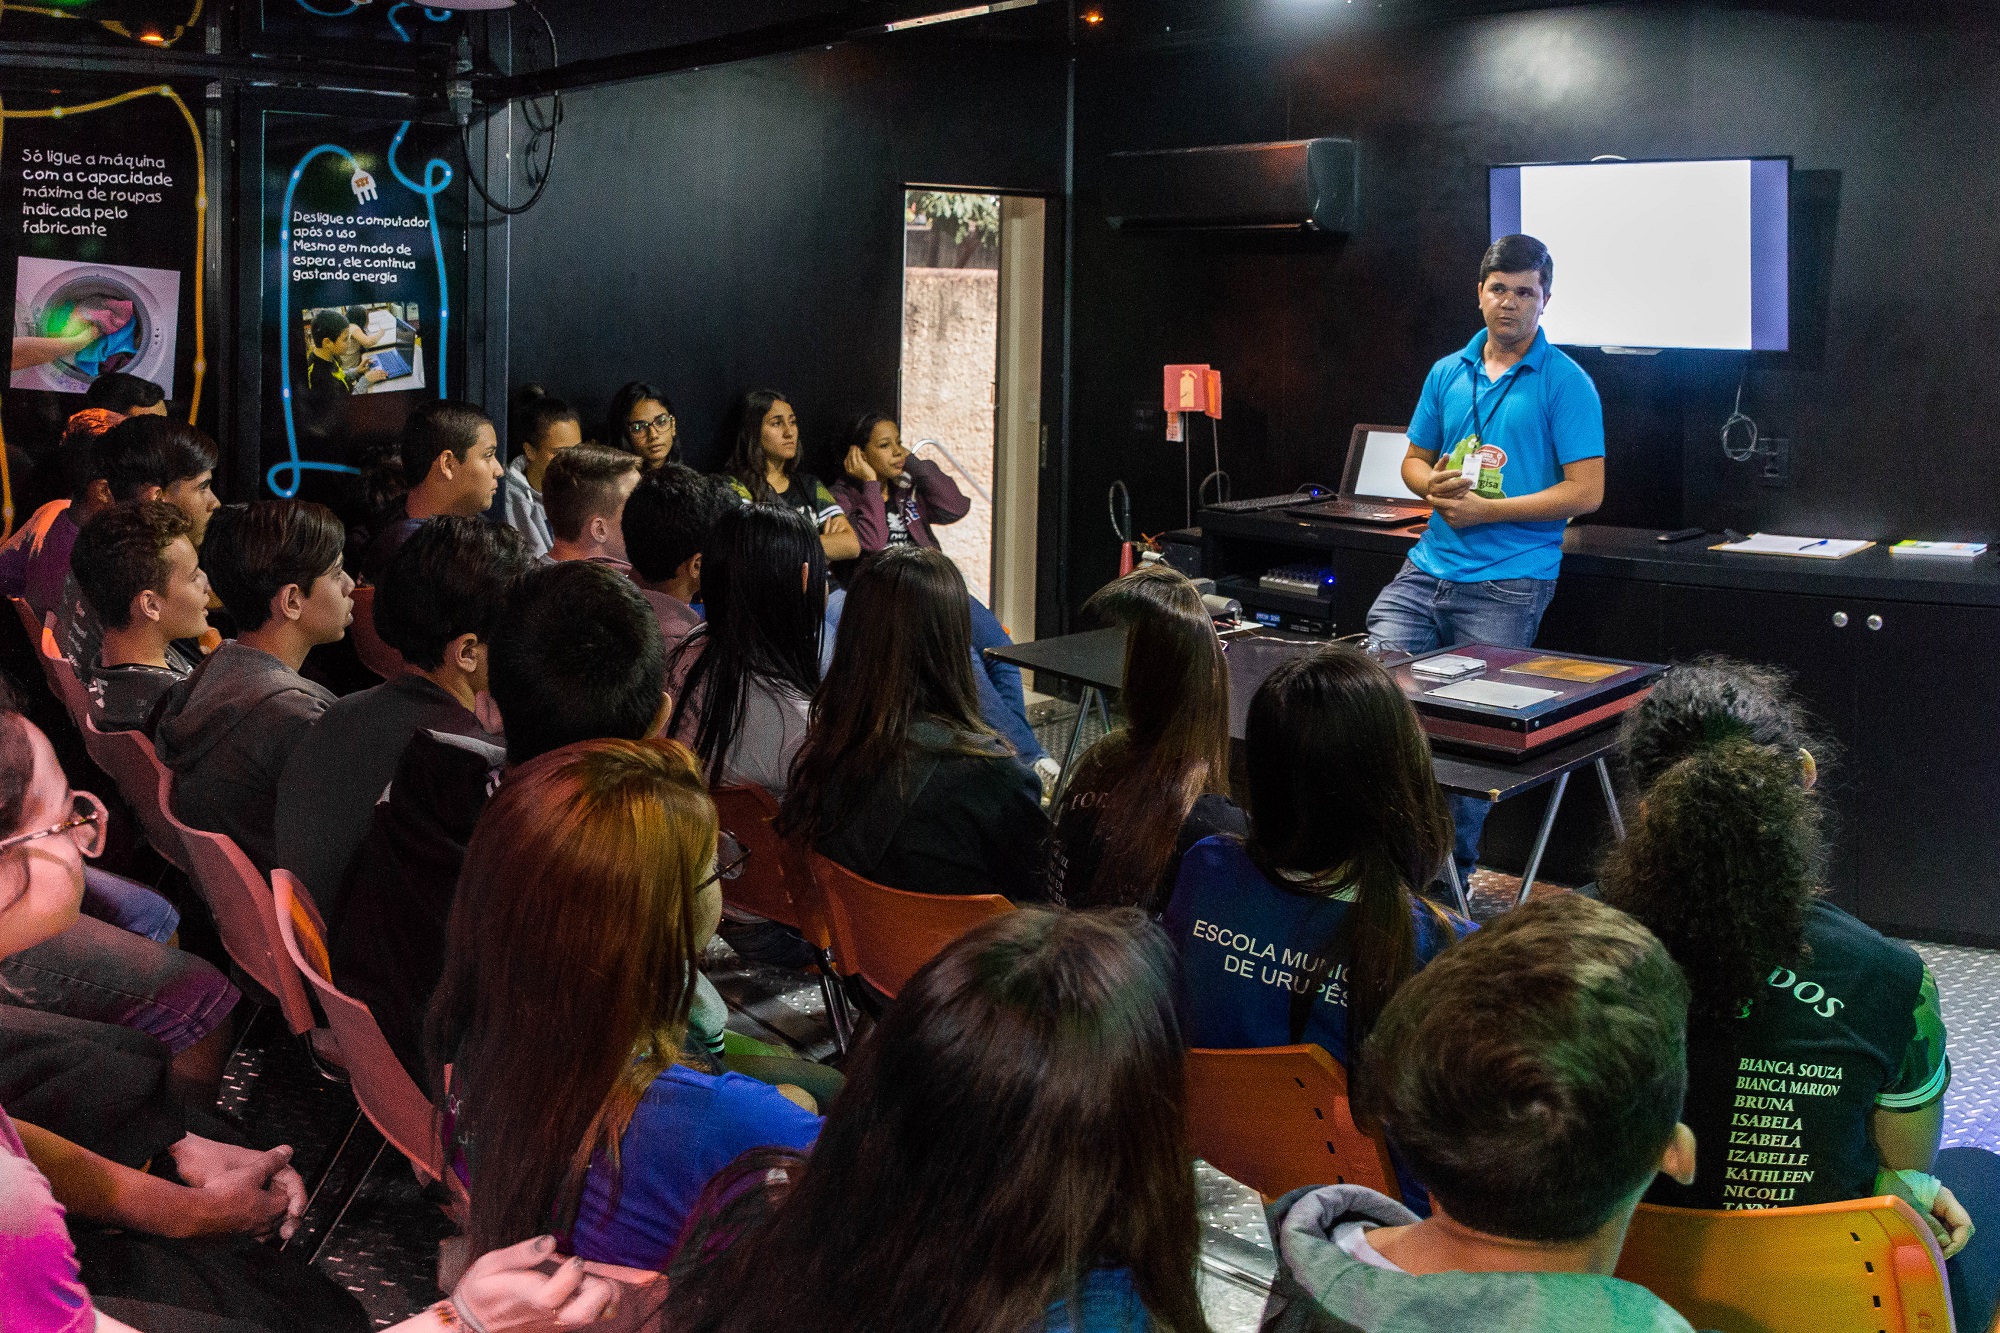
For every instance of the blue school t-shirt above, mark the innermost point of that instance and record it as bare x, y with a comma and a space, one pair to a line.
1245, 943
1542, 413
688, 1126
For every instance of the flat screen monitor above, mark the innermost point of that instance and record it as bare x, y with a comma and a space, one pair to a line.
1378, 475
1658, 254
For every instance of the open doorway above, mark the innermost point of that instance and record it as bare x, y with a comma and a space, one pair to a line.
971, 378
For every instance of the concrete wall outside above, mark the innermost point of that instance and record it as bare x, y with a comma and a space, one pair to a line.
951, 328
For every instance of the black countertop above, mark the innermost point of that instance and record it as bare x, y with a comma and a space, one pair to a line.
1632, 553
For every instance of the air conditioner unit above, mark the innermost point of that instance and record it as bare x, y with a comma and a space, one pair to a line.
1298, 185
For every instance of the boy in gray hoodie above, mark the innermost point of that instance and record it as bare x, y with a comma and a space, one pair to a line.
1532, 1075
227, 730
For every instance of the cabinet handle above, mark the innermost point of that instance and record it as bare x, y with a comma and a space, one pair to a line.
1874, 622
1840, 620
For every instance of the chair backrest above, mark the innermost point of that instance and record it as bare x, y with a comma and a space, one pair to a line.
376, 655
30, 622
1278, 1118
246, 915
388, 1095
56, 669
883, 935
777, 881
1865, 1265
143, 781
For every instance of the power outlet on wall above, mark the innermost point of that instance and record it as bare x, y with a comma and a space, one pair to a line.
1774, 463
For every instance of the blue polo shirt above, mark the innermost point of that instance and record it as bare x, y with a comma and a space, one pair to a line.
1544, 412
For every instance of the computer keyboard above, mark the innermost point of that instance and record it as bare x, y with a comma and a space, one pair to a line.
1260, 502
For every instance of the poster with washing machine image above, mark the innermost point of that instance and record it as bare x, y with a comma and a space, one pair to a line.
74, 321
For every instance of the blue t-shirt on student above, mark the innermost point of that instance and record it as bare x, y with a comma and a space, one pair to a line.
688, 1126
1542, 413
1246, 942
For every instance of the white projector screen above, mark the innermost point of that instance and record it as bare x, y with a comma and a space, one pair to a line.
1657, 254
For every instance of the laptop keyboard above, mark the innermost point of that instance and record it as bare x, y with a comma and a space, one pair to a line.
1260, 502
1360, 510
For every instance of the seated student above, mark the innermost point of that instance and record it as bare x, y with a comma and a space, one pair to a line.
127, 395
585, 492
1346, 822
1139, 798
141, 458
1010, 1154
892, 497
743, 680
542, 426
589, 891
35, 561
436, 605
575, 655
1533, 1077
451, 464
667, 521
227, 730
640, 420
763, 469
898, 779
137, 568
1723, 862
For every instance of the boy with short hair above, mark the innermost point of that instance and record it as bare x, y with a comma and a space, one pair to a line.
137, 568
667, 521
436, 605
127, 395
584, 493
35, 561
451, 463
228, 729
1532, 1076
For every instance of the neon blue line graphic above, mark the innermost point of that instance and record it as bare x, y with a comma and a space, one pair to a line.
437, 178
332, 13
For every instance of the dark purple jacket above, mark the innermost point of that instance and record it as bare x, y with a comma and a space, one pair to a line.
934, 496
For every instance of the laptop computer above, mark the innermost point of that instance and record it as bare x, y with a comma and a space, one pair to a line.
1371, 485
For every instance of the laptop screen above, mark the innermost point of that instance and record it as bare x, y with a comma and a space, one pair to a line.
1380, 476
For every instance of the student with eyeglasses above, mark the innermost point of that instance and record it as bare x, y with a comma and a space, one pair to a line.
641, 421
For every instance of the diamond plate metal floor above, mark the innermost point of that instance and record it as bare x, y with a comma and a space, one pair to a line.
1969, 991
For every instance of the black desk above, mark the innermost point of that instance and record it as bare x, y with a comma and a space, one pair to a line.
1095, 660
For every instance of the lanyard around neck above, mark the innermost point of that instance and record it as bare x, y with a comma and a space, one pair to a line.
1476, 372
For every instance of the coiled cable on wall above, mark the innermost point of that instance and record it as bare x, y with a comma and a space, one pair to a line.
1218, 476
1118, 501
538, 130
1737, 419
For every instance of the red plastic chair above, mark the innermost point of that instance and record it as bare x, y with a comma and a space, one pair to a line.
1856, 1267
376, 655
246, 916
777, 884
143, 781
883, 935
56, 669
1278, 1118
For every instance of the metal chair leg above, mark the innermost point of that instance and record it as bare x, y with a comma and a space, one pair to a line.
837, 1013
1458, 887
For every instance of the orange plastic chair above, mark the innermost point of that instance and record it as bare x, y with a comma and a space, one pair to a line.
1277, 1118
142, 780
1862, 1266
389, 1097
376, 655
883, 935
246, 916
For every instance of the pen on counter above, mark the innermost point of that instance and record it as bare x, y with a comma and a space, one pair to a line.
1821, 542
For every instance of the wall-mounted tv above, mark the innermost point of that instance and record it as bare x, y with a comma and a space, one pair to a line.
1690, 253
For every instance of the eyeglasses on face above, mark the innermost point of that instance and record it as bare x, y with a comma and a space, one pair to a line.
729, 858
662, 422
85, 825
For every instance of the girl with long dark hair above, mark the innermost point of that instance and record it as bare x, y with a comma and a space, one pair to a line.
742, 680
763, 469
640, 420
1304, 929
1724, 860
589, 890
899, 779
1139, 798
1010, 1155
542, 426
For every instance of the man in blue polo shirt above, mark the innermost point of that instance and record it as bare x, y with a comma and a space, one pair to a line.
1507, 445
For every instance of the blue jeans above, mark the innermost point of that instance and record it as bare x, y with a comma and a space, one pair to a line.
1973, 1177
1419, 614
121, 902
98, 972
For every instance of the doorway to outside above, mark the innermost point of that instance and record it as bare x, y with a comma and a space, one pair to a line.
971, 379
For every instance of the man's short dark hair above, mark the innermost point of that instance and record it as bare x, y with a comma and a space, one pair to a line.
147, 451
576, 655
1532, 1074
82, 451
122, 393
122, 552
1518, 254
445, 426
252, 551
451, 577
582, 482
669, 518
328, 323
